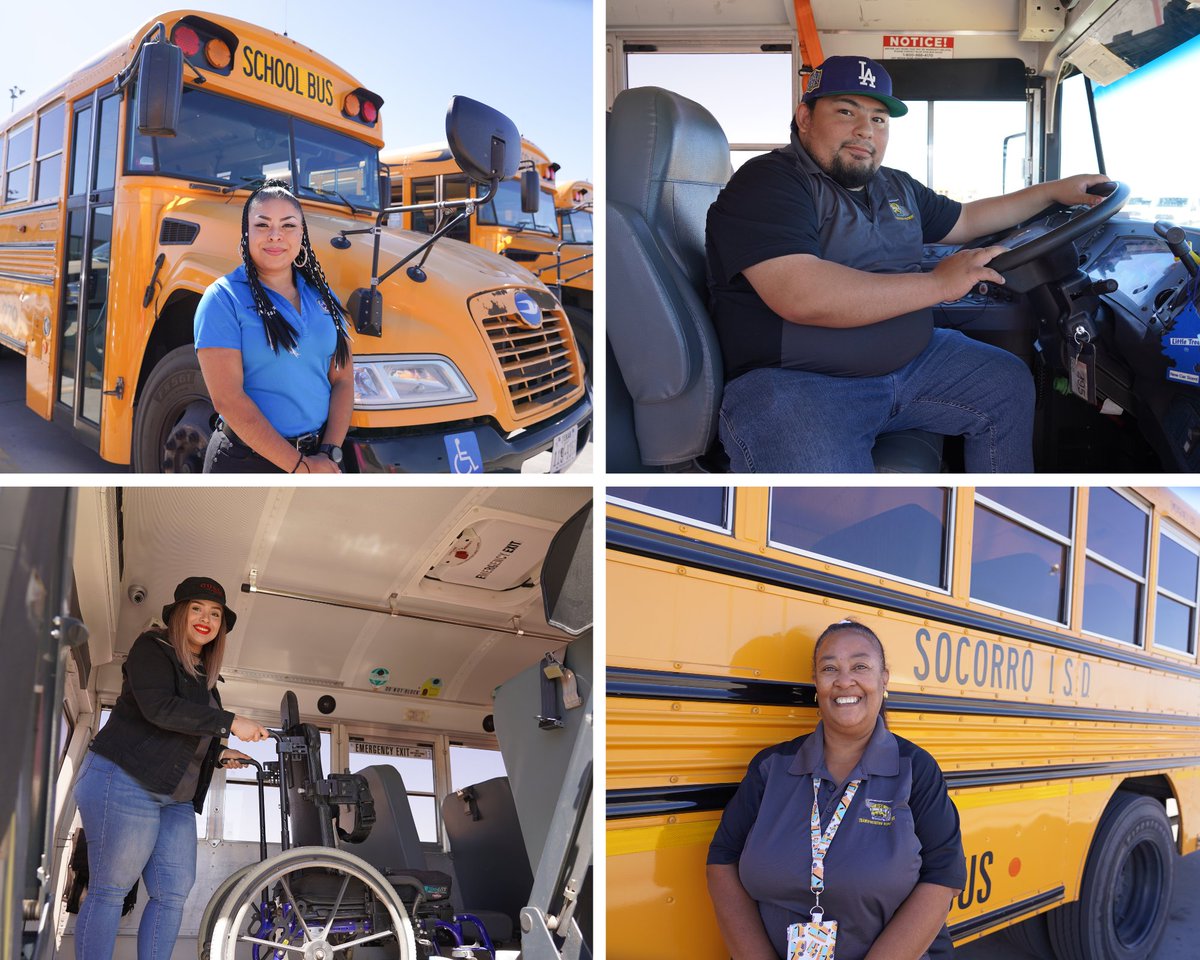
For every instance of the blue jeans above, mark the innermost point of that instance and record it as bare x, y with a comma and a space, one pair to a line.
131, 832
792, 421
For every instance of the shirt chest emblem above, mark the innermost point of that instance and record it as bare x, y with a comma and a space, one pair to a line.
899, 210
877, 813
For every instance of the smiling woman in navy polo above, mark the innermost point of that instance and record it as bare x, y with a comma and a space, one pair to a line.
895, 862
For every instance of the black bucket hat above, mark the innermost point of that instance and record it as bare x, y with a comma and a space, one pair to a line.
201, 588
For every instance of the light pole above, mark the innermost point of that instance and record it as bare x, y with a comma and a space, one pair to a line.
14, 91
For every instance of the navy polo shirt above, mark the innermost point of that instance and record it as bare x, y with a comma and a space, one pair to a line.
782, 203
291, 389
900, 829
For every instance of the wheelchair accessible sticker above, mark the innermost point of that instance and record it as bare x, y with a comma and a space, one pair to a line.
463, 454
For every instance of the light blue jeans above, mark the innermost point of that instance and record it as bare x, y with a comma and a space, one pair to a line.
791, 421
131, 832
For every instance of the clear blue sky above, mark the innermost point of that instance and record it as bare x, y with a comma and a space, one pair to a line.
416, 54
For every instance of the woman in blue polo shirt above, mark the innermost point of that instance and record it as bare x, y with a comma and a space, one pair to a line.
895, 862
274, 351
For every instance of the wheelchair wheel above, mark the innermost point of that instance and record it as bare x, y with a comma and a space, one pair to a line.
209, 917
323, 903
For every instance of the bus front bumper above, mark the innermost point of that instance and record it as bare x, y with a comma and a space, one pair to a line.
466, 446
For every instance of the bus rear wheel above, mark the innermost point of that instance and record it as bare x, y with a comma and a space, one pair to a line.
1123, 903
174, 417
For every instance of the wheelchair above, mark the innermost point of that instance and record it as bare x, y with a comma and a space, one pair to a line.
316, 899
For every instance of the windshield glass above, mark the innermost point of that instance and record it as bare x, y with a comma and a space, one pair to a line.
227, 141
505, 210
1135, 111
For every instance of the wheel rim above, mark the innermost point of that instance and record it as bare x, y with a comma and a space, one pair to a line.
1138, 894
185, 438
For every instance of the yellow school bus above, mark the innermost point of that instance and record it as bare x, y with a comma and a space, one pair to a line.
110, 231
428, 173
1042, 646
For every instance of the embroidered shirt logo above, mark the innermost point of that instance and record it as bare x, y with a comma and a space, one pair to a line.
878, 813
899, 210
866, 77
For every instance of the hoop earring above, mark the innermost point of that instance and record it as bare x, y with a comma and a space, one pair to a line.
302, 263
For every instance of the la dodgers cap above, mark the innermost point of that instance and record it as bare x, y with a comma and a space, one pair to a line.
853, 75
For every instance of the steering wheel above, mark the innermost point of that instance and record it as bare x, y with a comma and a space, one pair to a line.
1115, 194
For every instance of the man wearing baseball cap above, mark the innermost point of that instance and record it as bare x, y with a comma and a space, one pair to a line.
824, 316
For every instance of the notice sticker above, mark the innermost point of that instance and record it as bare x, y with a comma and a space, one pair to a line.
909, 46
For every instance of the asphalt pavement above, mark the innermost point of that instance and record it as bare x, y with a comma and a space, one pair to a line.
1179, 942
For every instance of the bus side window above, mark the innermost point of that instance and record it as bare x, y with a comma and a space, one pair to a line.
1114, 580
424, 190
50, 152
17, 163
456, 187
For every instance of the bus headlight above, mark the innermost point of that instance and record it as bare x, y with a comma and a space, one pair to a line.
408, 381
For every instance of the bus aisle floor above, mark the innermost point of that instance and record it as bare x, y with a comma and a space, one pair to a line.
1178, 943
29, 444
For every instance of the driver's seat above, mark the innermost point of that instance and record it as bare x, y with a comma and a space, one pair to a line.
667, 160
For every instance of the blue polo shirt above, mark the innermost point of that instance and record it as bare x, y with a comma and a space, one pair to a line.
901, 829
291, 390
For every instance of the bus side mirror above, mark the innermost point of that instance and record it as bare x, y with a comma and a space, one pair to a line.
366, 308
531, 191
159, 89
484, 142
385, 187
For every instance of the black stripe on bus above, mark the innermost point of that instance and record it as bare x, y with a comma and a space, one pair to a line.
28, 245
660, 685
713, 797
27, 278
45, 205
642, 541
994, 918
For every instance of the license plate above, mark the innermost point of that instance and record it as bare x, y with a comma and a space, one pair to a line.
462, 453
565, 448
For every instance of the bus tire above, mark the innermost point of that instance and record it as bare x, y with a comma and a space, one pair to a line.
174, 416
1123, 902
581, 327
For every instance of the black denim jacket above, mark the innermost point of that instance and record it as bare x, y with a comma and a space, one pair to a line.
158, 719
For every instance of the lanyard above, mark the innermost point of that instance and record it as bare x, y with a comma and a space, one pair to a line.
820, 843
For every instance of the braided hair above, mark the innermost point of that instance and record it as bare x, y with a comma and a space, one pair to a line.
279, 331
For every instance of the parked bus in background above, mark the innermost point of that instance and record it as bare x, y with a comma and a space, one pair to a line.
110, 232
1101, 308
509, 225
402, 634
1042, 647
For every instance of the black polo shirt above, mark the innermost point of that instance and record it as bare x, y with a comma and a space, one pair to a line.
900, 829
782, 203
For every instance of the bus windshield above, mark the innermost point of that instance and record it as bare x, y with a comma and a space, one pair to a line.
1148, 100
229, 141
504, 210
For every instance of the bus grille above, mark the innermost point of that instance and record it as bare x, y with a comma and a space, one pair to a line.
536, 361
177, 231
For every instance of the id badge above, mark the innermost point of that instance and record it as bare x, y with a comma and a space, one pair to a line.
813, 940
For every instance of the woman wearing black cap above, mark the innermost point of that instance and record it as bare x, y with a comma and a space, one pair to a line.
149, 769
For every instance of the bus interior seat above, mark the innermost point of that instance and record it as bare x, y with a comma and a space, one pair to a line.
491, 863
667, 160
537, 759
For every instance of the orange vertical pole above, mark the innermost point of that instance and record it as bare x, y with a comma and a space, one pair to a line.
806, 32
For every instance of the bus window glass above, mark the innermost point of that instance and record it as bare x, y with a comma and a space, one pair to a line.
749, 94
1176, 604
1077, 145
96, 313
71, 308
416, 770
470, 765
1117, 530
1016, 567
577, 226
459, 188
898, 531
708, 505
504, 209
1111, 603
49, 153
17, 162
241, 792
1051, 507
106, 152
331, 163
424, 190
1148, 99
908, 141
81, 139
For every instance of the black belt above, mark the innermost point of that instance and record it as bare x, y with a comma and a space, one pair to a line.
306, 443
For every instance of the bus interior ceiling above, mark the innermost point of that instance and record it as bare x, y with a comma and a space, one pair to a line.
413, 614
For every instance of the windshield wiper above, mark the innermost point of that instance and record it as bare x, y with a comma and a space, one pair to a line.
334, 193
